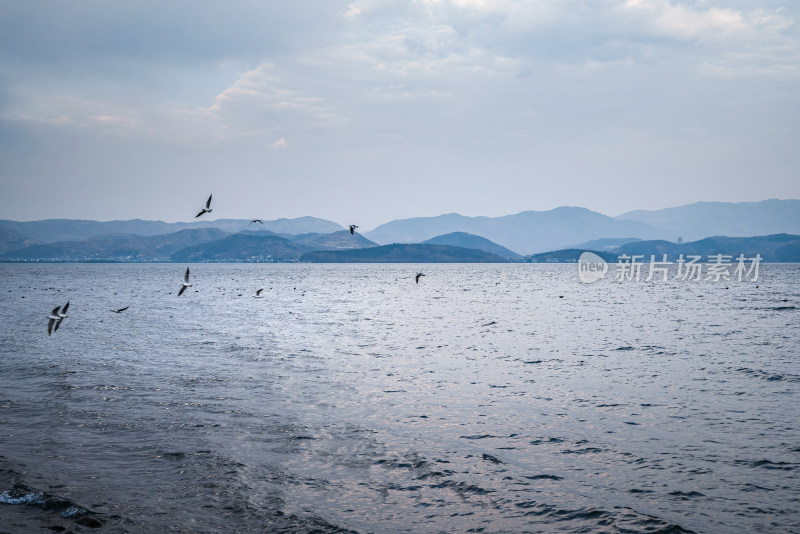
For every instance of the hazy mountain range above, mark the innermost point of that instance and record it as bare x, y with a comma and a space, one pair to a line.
119, 247
771, 248
52, 230
541, 231
465, 240
266, 246
523, 233
741, 219
292, 239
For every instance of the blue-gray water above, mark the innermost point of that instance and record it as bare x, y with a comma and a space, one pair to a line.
351, 398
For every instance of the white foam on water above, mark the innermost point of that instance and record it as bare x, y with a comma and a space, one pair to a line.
29, 498
73, 511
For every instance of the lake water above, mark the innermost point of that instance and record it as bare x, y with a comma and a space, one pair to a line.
486, 398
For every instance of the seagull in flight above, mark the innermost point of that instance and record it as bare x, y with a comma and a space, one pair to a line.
207, 209
353, 229
53, 318
258, 293
185, 283
418, 275
56, 316
121, 309
256, 221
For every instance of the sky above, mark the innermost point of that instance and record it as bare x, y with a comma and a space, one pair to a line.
364, 111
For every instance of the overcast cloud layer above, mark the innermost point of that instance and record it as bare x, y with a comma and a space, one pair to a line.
371, 110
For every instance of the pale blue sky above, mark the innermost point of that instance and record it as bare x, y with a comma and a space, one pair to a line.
370, 110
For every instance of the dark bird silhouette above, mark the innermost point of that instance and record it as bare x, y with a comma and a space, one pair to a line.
256, 221
353, 229
185, 283
207, 209
418, 275
62, 315
56, 316
258, 293
53, 318
121, 309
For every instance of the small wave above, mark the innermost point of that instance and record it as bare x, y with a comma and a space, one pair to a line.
768, 376
490, 458
650, 523
754, 487
33, 497
172, 455
571, 515
463, 488
430, 474
543, 477
399, 464
549, 440
17, 495
74, 511
782, 466
685, 496
587, 450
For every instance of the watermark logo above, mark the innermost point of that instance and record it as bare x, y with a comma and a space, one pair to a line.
718, 267
591, 267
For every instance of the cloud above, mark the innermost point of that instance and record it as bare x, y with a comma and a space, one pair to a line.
681, 21
572, 31
264, 101
441, 93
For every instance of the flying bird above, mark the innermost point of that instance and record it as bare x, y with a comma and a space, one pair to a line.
62, 314
256, 221
56, 316
207, 209
121, 309
52, 320
185, 283
258, 293
353, 229
418, 275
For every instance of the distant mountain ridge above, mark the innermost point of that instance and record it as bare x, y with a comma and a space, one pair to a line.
11, 239
523, 232
771, 248
116, 247
266, 246
243, 247
54, 230
465, 240
735, 219
334, 240
526, 232
200, 244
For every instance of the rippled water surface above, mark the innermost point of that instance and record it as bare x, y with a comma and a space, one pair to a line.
494, 398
